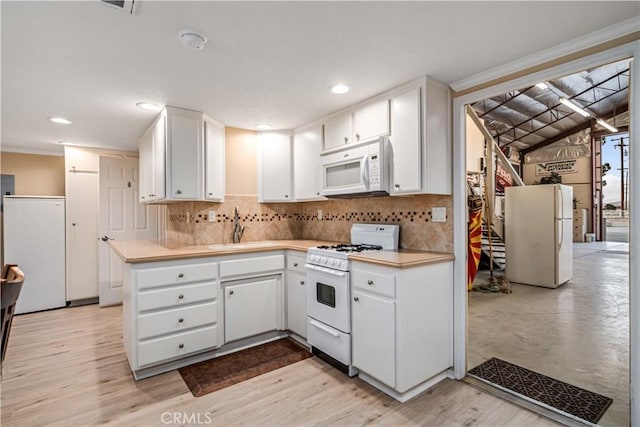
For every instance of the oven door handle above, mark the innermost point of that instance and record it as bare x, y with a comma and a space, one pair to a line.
330, 271
324, 328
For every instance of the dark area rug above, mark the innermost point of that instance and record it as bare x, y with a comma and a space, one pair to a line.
211, 375
568, 398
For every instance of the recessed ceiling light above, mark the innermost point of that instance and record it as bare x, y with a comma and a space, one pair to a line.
149, 106
339, 89
542, 86
60, 120
192, 39
263, 126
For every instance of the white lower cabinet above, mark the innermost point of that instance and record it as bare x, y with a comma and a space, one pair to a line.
251, 307
401, 326
373, 335
171, 310
296, 292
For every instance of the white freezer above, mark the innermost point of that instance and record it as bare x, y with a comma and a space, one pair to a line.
538, 234
34, 238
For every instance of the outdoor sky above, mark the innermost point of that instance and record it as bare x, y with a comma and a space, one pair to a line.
611, 154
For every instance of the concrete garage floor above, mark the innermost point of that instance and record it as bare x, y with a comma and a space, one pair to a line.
577, 333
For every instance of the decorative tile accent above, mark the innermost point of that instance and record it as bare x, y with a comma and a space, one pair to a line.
187, 221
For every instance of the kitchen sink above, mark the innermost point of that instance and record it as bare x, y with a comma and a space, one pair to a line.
247, 245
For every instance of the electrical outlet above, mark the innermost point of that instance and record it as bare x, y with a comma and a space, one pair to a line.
212, 216
319, 213
439, 214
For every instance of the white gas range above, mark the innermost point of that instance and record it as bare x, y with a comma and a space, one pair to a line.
329, 290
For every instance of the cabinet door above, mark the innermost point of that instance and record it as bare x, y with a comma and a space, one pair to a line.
81, 160
371, 121
307, 168
145, 170
296, 304
274, 167
214, 161
373, 337
337, 131
250, 308
158, 182
82, 201
185, 152
406, 142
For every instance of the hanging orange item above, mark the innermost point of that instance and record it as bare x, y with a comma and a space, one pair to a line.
475, 242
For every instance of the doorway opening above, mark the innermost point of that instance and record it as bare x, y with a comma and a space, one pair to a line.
575, 332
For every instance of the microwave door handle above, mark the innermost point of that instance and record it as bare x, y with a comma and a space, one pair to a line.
364, 172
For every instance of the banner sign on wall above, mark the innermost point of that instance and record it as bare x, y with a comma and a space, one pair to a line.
561, 167
503, 178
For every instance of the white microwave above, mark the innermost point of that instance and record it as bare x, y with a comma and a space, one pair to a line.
359, 171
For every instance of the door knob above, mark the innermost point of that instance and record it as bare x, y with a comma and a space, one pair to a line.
106, 238
356, 299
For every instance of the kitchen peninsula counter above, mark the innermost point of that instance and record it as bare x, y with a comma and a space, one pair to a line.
141, 251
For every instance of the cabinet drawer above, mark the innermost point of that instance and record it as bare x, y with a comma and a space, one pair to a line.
296, 263
163, 349
375, 282
178, 319
177, 295
162, 276
251, 266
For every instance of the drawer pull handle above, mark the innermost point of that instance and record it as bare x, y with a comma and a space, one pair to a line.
356, 299
295, 264
302, 282
181, 346
181, 275
370, 282
230, 292
180, 296
180, 320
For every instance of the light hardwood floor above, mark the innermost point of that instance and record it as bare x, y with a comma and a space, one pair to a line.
67, 367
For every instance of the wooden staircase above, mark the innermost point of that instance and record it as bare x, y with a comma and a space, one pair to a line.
498, 247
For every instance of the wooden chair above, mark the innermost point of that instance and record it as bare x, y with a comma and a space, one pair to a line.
11, 284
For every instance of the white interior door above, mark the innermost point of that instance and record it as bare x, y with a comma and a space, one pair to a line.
122, 217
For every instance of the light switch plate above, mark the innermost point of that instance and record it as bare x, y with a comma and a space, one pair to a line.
212, 216
439, 214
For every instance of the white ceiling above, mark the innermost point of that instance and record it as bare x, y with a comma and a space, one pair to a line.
264, 61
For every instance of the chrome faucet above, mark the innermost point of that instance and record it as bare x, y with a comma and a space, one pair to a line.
237, 228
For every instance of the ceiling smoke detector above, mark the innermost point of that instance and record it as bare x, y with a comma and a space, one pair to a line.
192, 39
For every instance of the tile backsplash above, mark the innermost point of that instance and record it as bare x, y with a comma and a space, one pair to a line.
187, 222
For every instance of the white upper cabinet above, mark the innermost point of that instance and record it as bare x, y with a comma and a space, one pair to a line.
181, 156
159, 184
214, 160
362, 124
185, 150
406, 142
145, 169
307, 168
337, 131
421, 139
371, 121
275, 167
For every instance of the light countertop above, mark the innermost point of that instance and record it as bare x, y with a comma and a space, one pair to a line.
141, 251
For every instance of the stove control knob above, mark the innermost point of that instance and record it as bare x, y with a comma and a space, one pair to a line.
330, 261
343, 265
323, 260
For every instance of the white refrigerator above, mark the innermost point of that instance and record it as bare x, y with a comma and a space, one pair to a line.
34, 239
539, 234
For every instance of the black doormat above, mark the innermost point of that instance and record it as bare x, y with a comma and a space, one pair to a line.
211, 375
568, 398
